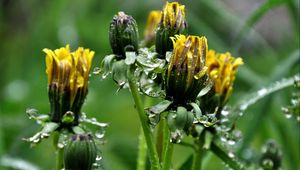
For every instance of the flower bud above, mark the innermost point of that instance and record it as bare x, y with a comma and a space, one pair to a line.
186, 72
123, 34
271, 156
172, 23
68, 75
154, 18
222, 69
80, 153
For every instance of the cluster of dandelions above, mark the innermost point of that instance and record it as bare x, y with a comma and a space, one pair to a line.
191, 82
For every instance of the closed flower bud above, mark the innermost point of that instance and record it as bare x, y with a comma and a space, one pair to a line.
123, 34
80, 153
68, 75
152, 23
271, 157
222, 69
172, 23
186, 72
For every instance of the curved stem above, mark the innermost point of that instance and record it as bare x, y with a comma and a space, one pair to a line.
147, 132
168, 147
59, 152
234, 164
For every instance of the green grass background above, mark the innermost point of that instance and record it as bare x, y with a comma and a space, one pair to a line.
265, 33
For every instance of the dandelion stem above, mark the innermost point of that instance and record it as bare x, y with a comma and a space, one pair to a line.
154, 161
199, 151
59, 152
233, 163
168, 147
142, 152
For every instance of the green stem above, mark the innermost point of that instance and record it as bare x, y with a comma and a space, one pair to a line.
154, 161
168, 147
197, 162
160, 139
233, 163
199, 150
142, 152
59, 152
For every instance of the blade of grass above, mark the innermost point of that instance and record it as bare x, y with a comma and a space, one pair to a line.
233, 163
256, 16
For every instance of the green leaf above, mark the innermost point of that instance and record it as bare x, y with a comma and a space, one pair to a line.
160, 107
197, 110
257, 15
17, 163
107, 65
46, 131
206, 89
187, 164
119, 72
232, 162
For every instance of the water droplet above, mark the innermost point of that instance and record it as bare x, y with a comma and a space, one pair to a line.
36, 140
231, 142
224, 112
60, 145
262, 91
176, 136
288, 115
100, 133
32, 113
243, 107
267, 164
153, 76
96, 70
45, 135
98, 158
83, 115
231, 154
223, 139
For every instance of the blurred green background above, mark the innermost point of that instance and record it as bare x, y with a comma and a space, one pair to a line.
265, 33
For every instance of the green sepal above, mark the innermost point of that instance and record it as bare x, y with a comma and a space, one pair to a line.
80, 153
181, 117
46, 131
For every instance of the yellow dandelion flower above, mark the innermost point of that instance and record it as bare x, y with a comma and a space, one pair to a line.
186, 71
68, 74
153, 20
222, 68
